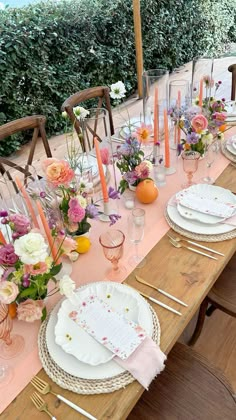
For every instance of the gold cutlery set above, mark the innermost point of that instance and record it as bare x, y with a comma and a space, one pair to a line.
44, 388
177, 242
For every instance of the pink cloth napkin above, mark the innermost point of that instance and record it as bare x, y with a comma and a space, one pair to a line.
145, 362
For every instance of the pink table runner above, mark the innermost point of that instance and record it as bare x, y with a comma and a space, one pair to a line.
28, 364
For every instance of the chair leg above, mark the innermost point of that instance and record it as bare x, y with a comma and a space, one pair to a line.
200, 322
210, 310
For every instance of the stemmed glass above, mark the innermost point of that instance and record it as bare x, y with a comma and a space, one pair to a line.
11, 345
190, 165
210, 155
112, 243
136, 223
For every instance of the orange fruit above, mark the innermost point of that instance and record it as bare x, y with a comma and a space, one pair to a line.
12, 309
146, 191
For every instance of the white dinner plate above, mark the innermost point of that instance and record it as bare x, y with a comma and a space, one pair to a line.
84, 347
231, 147
142, 314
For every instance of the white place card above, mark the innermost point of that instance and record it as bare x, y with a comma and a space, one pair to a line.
110, 328
205, 205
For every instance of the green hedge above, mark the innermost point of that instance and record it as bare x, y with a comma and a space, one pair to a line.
52, 49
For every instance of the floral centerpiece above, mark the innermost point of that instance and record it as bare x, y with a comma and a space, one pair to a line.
75, 202
26, 269
201, 125
131, 163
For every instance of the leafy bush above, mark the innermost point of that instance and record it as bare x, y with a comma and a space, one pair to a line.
50, 50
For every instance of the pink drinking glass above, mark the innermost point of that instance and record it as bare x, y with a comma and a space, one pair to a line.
11, 345
190, 165
112, 243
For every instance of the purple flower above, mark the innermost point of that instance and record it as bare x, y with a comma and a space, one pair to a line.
113, 194
179, 148
3, 213
92, 211
7, 272
131, 177
20, 224
192, 138
42, 194
113, 218
7, 255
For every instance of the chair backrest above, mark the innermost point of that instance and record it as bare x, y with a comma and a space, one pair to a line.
35, 122
100, 92
232, 69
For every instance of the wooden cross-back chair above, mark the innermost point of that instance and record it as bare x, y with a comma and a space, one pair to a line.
232, 70
35, 123
102, 94
222, 296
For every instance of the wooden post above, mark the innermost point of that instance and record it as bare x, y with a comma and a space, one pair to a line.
138, 45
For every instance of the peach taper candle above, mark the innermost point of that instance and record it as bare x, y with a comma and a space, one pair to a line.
27, 201
101, 172
47, 230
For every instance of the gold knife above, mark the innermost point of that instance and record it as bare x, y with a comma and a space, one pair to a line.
159, 303
140, 280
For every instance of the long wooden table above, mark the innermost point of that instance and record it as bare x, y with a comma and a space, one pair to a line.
184, 274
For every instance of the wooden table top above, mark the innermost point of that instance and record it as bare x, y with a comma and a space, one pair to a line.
184, 274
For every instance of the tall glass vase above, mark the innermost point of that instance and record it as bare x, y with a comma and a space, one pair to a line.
202, 68
97, 125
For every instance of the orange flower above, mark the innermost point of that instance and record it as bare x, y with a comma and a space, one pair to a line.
187, 146
143, 133
222, 128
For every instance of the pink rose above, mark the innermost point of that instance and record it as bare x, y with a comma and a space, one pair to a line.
30, 310
199, 123
76, 213
105, 155
8, 292
19, 224
58, 172
7, 255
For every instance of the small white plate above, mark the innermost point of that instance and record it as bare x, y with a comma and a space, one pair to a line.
196, 215
231, 147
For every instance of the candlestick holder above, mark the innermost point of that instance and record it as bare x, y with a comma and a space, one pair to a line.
107, 211
170, 170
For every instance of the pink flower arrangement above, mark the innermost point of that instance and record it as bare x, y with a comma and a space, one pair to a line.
7, 255
58, 172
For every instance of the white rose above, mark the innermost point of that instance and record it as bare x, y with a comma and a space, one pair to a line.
148, 164
207, 138
31, 248
67, 286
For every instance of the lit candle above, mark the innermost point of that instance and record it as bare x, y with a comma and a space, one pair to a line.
2, 239
101, 172
47, 232
201, 92
156, 117
167, 145
27, 201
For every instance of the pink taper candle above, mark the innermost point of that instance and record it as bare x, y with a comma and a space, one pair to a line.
101, 172
156, 117
201, 93
27, 202
47, 231
167, 145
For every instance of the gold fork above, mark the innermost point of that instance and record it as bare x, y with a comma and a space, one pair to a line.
45, 388
178, 239
41, 405
178, 245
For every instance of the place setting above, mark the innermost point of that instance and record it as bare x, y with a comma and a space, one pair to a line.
228, 148
203, 212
